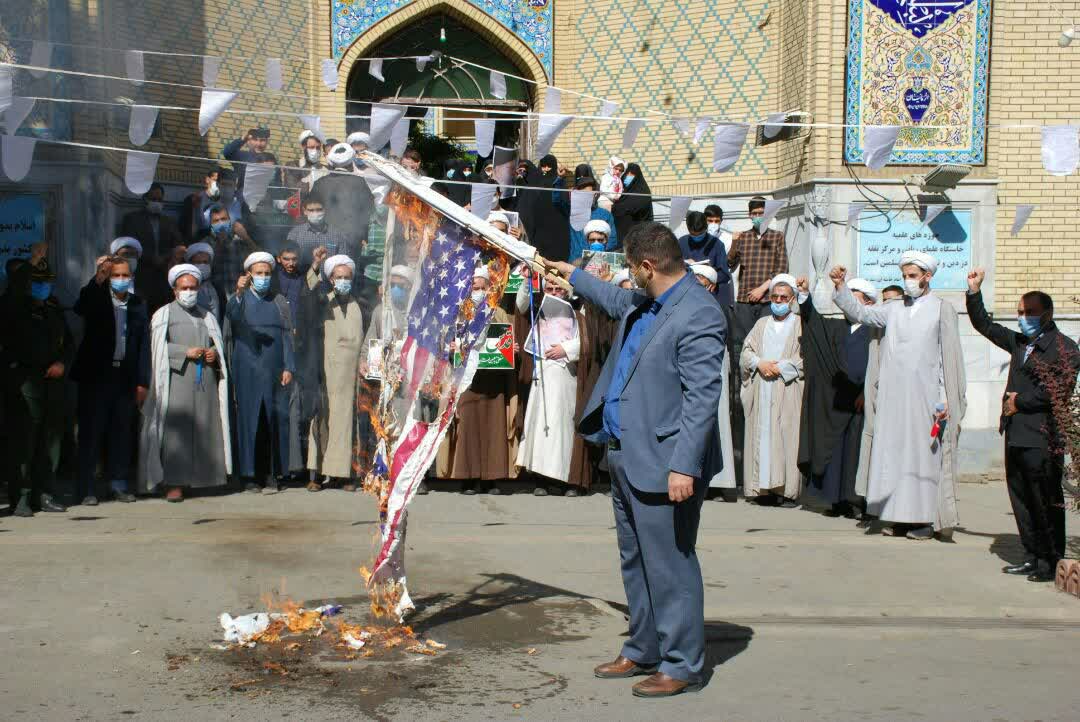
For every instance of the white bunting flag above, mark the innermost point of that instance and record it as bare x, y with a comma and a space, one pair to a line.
273, 74
330, 74
701, 128
257, 179
682, 126
854, 211
878, 142
6, 85
552, 100
314, 124
139, 174
429, 115
608, 108
375, 69
1060, 149
771, 207
18, 152
728, 142
550, 127
485, 137
383, 119
633, 127
214, 103
16, 114
482, 199
497, 85
141, 123
933, 210
399, 137
41, 57
1023, 212
133, 66
422, 61
679, 206
770, 130
580, 209
211, 66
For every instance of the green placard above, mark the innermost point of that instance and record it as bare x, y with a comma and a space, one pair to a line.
498, 349
513, 283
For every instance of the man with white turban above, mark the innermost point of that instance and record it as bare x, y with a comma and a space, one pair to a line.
201, 255
147, 278
835, 353
772, 391
915, 399
348, 203
263, 363
184, 441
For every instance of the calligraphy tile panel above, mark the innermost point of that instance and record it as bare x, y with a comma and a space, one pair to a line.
923, 65
530, 20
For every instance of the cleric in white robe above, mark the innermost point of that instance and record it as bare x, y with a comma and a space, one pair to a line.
913, 380
184, 440
772, 392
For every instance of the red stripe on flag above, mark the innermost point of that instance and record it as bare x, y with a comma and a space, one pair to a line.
416, 369
407, 447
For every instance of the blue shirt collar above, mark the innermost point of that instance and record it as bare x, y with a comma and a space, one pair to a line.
666, 295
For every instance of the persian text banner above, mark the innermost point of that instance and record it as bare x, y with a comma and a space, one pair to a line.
922, 65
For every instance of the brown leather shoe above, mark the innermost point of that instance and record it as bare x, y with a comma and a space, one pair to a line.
314, 486
621, 668
660, 685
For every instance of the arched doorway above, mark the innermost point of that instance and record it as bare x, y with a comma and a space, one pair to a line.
461, 90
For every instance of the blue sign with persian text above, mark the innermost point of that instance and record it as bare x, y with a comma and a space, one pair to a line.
919, 17
22, 224
947, 238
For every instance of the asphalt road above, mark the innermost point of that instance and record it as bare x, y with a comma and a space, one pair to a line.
111, 613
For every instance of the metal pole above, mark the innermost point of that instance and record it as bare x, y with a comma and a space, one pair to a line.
538, 360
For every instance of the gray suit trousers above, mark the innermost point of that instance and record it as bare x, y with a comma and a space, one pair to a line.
661, 575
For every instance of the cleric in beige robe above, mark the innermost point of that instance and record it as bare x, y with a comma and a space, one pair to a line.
330, 448
772, 392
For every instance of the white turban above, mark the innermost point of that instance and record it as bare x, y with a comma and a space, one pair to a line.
341, 155
305, 135
621, 276
404, 272
333, 262
785, 278
196, 248
863, 286
258, 257
705, 271
125, 242
917, 258
498, 217
183, 269
482, 272
597, 226
358, 137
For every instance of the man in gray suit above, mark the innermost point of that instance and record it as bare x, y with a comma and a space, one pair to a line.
654, 407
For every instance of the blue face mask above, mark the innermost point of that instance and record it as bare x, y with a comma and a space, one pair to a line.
342, 286
261, 284
120, 285
596, 246
398, 296
698, 239
40, 290
450, 173
221, 227
779, 309
627, 180
757, 222
1030, 327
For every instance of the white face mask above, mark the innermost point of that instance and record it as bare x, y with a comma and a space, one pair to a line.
913, 288
714, 229
478, 297
312, 155
213, 191
187, 299
316, 218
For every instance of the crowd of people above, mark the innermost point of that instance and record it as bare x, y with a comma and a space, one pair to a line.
218, 348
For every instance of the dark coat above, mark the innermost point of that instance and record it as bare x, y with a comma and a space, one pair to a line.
349, 204
94, 358
1033, 424
137, 225
633, 210
712, 249
546, 227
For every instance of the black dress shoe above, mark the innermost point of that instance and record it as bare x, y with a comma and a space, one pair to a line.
422, 489
1027, 567
1043, 573
124, 497
50, 504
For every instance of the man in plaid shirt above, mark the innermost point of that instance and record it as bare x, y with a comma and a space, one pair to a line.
761, 254
232, 245
315, 231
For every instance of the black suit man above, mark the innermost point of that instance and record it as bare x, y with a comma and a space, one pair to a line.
1033, 456
112, 369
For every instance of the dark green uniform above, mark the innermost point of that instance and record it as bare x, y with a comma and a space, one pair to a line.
33, 337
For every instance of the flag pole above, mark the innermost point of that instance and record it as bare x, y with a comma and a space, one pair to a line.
538, 343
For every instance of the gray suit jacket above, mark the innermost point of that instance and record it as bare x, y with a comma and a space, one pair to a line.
668, 407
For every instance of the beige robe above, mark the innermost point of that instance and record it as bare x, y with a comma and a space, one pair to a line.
784, 413
330, 445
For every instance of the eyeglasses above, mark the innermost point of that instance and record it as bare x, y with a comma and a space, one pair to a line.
779, 298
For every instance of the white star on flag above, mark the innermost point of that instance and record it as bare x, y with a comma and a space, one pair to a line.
462, 282
442, 293
460, 265
444, 310
443, 273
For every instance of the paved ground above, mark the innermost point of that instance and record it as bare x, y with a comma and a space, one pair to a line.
109, 613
